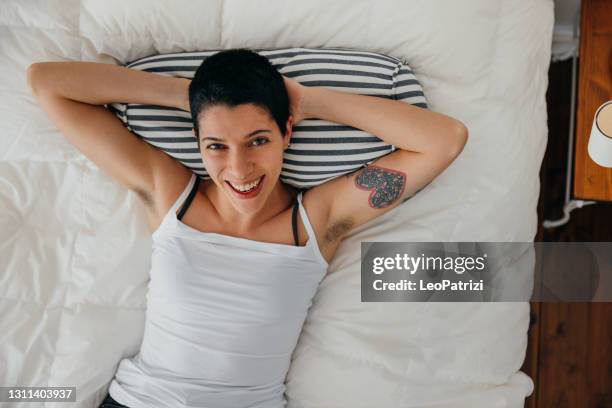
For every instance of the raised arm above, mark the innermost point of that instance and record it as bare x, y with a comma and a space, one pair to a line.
72, 94
427, 142
98, 84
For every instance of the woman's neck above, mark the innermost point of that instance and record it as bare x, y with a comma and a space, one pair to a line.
281, 197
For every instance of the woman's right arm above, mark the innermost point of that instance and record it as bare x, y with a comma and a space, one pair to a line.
98, 84
72, 95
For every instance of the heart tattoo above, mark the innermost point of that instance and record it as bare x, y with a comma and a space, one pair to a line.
387, 185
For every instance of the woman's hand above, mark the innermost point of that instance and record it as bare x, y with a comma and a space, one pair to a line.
298, 95
183, 91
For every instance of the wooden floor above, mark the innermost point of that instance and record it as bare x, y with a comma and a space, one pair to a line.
569, 356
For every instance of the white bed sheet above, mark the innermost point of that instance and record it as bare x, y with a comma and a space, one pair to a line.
74, 247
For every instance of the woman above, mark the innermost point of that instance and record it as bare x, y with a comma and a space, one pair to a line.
236, 259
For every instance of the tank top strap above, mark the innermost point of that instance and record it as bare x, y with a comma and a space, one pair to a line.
306, 222
294, 222
184, 194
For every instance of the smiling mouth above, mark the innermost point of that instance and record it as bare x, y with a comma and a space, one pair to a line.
253, 186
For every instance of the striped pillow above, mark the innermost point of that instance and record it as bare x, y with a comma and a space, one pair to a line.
320, 150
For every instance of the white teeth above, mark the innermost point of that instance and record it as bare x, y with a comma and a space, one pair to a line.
246, 187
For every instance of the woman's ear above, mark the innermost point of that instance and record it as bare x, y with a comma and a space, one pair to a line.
288, 132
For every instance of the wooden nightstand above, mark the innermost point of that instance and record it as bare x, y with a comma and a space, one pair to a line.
591, 181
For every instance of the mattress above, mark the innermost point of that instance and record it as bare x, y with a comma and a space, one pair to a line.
74, 246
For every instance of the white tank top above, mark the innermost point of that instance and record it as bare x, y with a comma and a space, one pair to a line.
223, 317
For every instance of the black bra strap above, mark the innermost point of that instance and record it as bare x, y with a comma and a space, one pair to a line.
294, 223
187, 202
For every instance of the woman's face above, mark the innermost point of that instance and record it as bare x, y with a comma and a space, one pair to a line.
242, 146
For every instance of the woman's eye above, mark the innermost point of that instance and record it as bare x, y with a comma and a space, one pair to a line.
261, 139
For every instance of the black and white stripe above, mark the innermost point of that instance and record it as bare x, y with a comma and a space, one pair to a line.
320, 150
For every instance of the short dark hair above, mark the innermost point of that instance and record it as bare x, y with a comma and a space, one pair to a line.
238, 76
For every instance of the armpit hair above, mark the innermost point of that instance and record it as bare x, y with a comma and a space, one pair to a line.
144, 196
338, 229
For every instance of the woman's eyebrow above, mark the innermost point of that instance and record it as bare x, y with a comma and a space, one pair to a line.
245, 136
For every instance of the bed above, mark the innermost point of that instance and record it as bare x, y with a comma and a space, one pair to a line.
74, 247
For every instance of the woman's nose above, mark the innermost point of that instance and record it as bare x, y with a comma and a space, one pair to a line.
240, 165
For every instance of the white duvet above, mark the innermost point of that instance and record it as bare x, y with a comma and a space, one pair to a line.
74, 247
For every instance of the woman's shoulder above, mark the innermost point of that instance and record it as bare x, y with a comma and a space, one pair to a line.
316, 201
169, 187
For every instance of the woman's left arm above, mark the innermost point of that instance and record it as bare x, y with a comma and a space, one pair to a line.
405, 126
427, 142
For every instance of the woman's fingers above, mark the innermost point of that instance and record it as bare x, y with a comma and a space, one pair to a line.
295, 92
